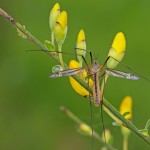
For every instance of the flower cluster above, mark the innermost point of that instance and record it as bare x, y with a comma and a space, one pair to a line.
58, 26
58, 23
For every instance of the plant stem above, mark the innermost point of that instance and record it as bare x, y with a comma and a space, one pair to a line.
52, 37
30, 37
125, 143
126, 122
60, 56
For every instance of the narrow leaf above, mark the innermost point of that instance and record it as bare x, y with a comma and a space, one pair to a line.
49, 45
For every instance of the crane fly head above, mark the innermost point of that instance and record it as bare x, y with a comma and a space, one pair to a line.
95, 66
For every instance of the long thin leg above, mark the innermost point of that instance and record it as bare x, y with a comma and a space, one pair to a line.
91, 116
91, 57
102, 119
101, 67
106, 60
101, 111
47, 51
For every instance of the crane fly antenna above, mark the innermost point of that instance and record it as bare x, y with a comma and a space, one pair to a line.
51, 2
47, 52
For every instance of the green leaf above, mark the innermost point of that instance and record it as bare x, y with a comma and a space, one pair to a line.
147, 124
49, 45
126, 113
57, 68
144, 132
21, 34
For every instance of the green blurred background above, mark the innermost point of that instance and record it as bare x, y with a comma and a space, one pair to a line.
30, 118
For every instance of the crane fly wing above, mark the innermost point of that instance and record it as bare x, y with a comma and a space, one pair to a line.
121, 74
67, 72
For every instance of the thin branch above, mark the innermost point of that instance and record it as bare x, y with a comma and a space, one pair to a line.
106, 104
29, 36
73, 117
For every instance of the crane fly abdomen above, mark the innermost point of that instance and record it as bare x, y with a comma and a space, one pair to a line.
95, 69
96, 90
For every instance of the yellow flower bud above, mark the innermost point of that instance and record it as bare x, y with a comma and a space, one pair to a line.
108, 136
117, 50
55, 12
76, 86
81, 46
126, 106
85, 129
119, 43
81, 36
60, 28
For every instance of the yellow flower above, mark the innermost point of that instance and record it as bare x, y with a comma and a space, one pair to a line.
60, 27
81, 46
55, 12
117, 50
76, 86
126, 106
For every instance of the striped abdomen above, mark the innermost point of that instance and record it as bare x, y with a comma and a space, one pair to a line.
96, 89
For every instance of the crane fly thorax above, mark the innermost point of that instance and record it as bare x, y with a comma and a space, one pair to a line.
95, 67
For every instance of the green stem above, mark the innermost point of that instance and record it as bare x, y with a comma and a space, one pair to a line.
125, 143
52, 37
112, 115
73, 117
126, 122
30, 37
60, 56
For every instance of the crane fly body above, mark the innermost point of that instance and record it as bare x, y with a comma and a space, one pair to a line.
95, 70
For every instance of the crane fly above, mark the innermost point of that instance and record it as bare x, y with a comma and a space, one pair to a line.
95, 70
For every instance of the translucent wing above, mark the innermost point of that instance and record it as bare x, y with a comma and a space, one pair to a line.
67, 72
121, 74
